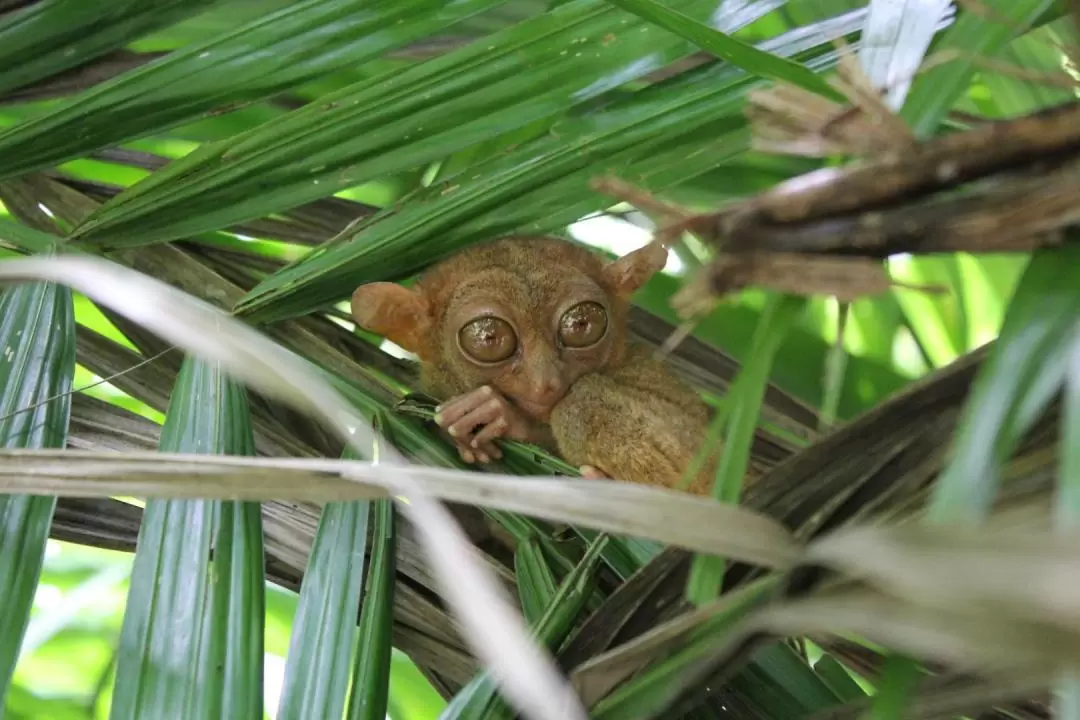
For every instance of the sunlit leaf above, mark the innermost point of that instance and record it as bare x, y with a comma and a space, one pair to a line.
895, 40
734, 51
271, 53
1024, 370
398, 121
983, 33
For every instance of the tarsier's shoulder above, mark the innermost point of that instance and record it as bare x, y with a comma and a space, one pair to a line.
646, 361
646, 370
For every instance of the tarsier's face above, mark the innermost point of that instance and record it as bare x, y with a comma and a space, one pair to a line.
526, 315
528, 334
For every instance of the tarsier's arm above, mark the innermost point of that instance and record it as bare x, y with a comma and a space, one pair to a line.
635, 422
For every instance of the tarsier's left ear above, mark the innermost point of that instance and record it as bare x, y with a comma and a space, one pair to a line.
399, 314
627, 274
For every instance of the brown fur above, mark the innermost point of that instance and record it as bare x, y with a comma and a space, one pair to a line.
636, 421
612, 406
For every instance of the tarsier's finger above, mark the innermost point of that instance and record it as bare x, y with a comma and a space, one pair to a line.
489, 432
453, 410
591, 473
485, 414
488, 452
484, 454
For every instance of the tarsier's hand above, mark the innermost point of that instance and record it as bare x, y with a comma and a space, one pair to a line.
476, 418
592, 473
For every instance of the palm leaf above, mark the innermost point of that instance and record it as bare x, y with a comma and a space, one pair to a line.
36, 330
173, 615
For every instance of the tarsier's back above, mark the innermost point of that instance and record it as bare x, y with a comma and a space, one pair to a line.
525, 338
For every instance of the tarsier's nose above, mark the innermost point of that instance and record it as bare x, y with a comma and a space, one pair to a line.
544, 388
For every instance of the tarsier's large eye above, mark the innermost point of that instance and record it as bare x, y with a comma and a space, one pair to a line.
488, 339
583, 325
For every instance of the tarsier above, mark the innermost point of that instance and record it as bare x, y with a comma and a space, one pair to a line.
525, 338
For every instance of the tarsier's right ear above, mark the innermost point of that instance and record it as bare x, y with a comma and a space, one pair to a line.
627, 274
399, 314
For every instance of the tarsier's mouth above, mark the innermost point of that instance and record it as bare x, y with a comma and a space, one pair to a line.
535, 410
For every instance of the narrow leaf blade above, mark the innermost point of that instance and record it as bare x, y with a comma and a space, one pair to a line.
188, 644
37, 365
317, 666
371, 671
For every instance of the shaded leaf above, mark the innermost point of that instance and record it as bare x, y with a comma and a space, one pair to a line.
707, 572
49, 37
478, 698
26, 239
660, 682
535, 580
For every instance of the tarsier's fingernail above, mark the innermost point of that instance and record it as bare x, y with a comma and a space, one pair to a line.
438, 418
468, 457
452, 430
484, 458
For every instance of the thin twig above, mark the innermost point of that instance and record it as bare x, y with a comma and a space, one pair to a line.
94, 384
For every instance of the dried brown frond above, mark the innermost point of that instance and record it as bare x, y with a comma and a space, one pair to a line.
845, 278
1061, 80
1003, 186
789, 120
